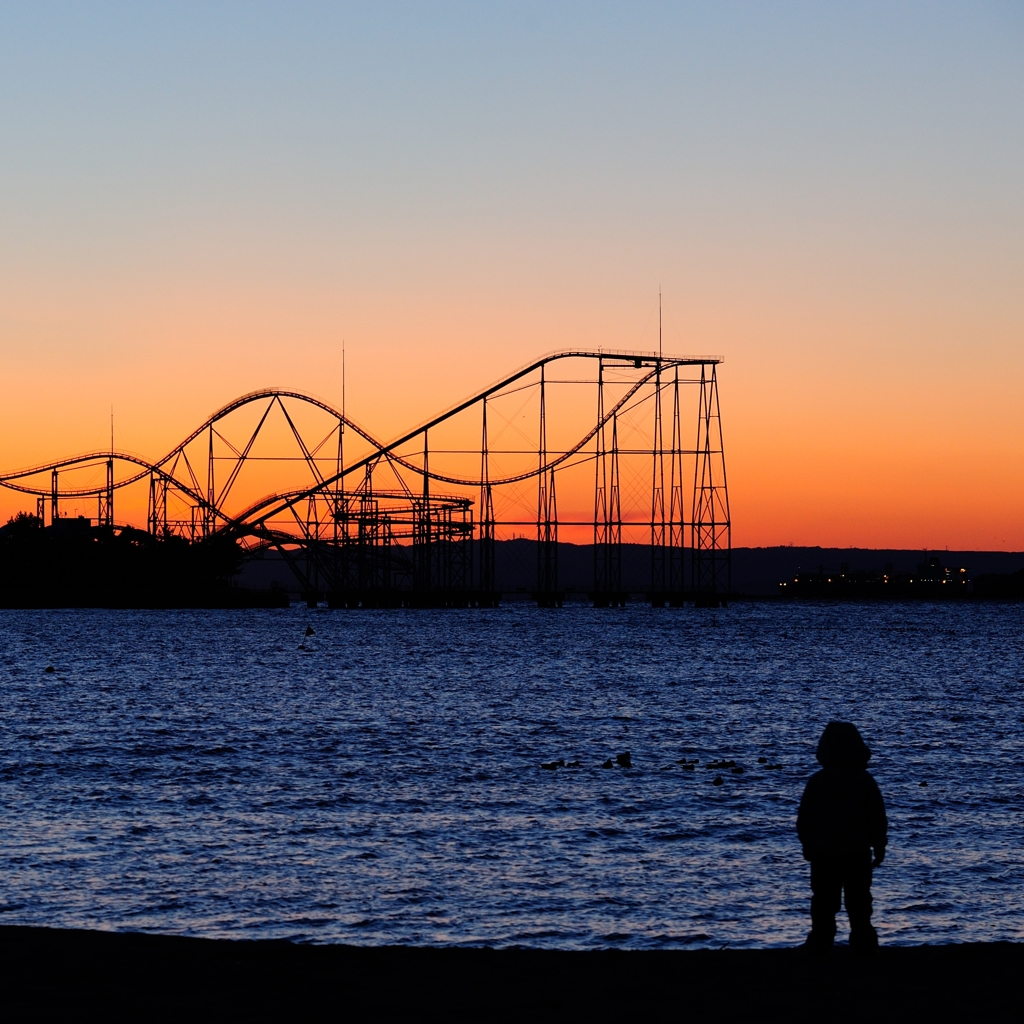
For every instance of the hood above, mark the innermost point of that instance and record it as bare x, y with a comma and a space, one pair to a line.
841, 746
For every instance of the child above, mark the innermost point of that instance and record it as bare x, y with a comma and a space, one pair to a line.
841, 820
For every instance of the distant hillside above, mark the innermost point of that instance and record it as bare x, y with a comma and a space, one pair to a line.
755, 571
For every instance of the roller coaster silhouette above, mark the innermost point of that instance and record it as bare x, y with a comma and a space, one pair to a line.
363, 523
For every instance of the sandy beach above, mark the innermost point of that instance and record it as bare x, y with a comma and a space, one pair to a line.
46, 971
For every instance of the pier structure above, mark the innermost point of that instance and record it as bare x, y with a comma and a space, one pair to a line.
597, 447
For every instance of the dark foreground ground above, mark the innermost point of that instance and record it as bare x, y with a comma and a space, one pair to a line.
45, 972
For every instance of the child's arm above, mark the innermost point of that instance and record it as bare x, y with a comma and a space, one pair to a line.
806, 818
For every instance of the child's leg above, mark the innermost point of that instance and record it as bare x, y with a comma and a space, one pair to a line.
857, 893
826, 896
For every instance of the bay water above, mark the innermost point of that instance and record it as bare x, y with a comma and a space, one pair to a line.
381, 780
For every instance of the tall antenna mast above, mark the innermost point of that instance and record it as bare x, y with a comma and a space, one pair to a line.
339, 483
659, 321
111, 430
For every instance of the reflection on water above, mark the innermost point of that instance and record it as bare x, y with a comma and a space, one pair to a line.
221, 773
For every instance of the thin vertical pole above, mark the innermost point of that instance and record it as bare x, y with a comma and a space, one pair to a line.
487, 568
109, 516
109, 511
340, 529
339, 482
722, 491
339, 490
676, 515
425, 524
547, 525
699, 469
615, 525
211, 494
658, 499
551, 540
542, 493
600, 489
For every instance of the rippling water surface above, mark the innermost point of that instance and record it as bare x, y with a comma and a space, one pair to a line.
220, 774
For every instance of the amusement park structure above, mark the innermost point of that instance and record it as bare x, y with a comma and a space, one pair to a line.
629, 442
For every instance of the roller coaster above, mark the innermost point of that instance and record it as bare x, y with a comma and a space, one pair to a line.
414, 521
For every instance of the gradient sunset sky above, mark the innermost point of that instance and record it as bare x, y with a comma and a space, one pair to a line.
197, 200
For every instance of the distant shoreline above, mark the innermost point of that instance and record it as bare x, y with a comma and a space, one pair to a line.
47, 970
756, 572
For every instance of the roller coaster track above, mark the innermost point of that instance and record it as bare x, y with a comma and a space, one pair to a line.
175, 474
10, 480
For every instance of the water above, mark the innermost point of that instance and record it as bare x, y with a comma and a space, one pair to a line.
218, 774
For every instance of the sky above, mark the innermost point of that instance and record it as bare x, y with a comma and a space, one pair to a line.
197, 200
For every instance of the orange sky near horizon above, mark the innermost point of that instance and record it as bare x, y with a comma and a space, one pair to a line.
838, 443
841, 221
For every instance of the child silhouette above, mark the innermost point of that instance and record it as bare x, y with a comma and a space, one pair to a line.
841, 820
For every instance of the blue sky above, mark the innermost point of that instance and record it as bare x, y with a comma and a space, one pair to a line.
829, 195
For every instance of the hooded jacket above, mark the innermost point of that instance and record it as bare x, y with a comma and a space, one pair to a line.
842, 813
